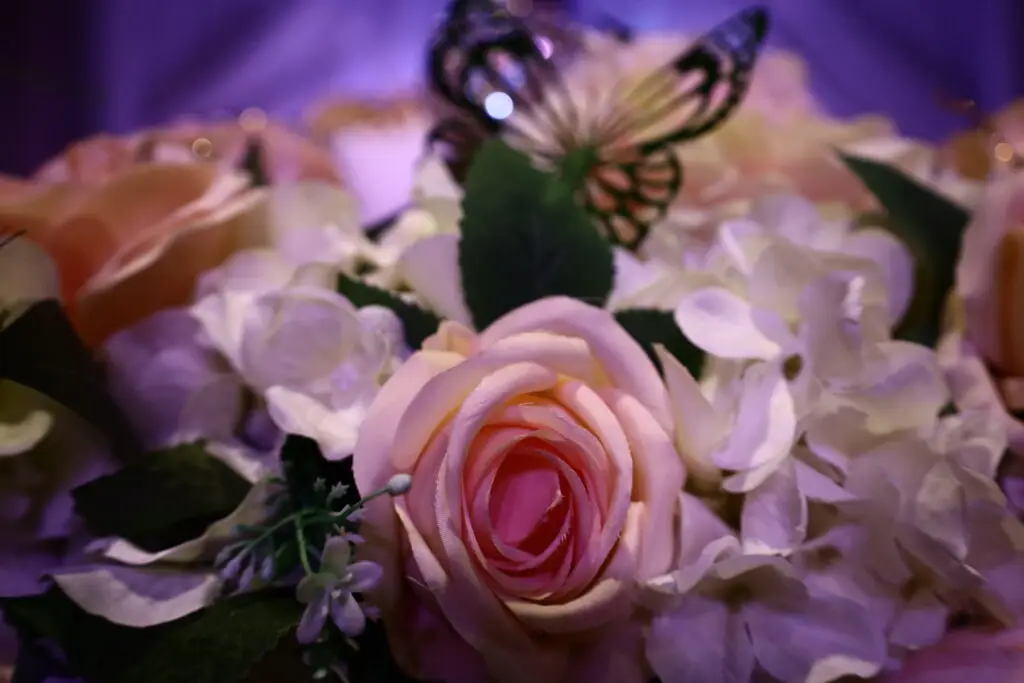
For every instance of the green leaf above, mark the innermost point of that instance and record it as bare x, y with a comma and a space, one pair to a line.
163, 499
219, 644
932, 227
650, 326
417, 322
41, 350
524, 238
304, 464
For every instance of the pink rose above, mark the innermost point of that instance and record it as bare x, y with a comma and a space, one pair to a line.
544, 486
976, 656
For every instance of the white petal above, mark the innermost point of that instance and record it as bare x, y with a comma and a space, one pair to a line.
251, 511
434, 180
920, 622
701, 641
699, 428
139, 597
254, 271
823, 635
725, 325
837, 328
837, 437
774, 518
791, 216
896, 264
765, 425
819, 487
703, 539
297, 336
221, 317
333, 429
905, 390
779, 277
430, 266
308, 205
378, 164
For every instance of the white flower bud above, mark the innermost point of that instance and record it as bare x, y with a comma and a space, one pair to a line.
398, 484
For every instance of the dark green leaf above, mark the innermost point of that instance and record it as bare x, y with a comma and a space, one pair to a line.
524, 238
163, 499
650, 326
932, 228
219, 644
304, 464
418, 323
253, 163
41, 350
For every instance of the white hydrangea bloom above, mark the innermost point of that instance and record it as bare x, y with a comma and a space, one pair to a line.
820, 442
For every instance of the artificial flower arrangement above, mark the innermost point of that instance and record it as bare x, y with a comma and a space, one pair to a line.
539, 427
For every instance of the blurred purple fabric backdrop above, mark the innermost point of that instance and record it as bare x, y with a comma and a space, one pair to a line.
73, 67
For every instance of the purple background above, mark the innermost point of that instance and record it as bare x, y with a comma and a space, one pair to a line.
74, 67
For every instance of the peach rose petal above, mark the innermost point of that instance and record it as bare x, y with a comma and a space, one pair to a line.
476, 615
619, 355
593, 411
657, 479
488, 395
533, 487
589, 457
373, 467
607, 601
446, 392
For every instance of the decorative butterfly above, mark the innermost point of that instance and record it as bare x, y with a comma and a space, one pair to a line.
500, 79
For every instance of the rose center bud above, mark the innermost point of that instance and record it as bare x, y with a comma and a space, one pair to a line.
526, 509
527, 504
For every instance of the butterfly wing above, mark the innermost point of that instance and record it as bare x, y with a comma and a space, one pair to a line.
638, 173
477, 50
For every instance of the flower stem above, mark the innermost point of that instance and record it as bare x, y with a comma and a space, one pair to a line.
300, 538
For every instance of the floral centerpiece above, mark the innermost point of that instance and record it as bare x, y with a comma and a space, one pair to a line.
536, 427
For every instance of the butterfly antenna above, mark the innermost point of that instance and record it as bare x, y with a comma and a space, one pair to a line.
8, 238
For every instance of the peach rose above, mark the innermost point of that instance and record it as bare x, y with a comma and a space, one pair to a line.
287, 156
135, 242
992, 657
544, 486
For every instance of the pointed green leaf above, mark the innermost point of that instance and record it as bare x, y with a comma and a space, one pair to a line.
932, 227
41, 350
417, 322
651, 326
524, 238
165, 498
